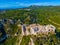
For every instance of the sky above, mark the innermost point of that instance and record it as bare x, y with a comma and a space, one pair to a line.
25, 3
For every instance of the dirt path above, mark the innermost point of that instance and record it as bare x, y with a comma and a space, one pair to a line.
54, 23
20, 39
31, 42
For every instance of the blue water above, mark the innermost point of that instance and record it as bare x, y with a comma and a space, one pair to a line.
10, 5
9, 8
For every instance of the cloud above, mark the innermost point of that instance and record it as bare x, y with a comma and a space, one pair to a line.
19, 4
40, 3
45, 3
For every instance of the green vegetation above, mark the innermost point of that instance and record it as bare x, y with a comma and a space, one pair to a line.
25, 40
11, 41
40, 15
48, 40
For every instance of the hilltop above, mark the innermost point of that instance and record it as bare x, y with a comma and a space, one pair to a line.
42, 15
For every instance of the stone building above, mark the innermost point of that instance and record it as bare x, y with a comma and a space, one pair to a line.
37, 29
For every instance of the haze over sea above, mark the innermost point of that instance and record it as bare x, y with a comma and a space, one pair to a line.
13, 4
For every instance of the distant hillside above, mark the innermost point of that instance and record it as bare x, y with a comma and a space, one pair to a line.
34, 7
